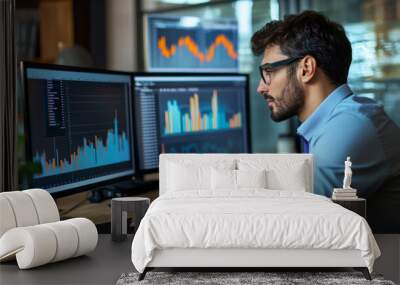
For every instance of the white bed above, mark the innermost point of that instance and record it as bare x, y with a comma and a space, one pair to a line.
203, 220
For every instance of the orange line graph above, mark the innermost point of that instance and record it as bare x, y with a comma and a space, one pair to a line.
193, 48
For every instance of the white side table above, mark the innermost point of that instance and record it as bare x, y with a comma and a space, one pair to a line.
120, 207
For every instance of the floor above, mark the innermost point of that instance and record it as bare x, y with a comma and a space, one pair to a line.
388, 264
103, 266
111, 259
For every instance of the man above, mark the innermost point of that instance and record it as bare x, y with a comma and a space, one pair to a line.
304, 70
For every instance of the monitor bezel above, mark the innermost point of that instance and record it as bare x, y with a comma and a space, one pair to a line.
194, 74
24, 65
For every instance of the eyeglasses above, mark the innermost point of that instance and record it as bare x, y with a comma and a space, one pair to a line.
267, 68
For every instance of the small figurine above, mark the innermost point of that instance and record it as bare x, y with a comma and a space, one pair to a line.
347, 174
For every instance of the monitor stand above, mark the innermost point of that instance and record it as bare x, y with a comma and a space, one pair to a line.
122, 189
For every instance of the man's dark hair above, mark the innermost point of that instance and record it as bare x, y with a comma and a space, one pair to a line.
309, 33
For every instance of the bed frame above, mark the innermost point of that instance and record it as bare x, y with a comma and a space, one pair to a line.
242, 259
245, 258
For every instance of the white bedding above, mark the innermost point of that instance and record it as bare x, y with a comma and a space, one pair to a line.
250, 218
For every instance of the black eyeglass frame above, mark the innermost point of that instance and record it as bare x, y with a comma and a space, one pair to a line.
273, 65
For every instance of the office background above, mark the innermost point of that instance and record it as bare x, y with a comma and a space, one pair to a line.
115, 35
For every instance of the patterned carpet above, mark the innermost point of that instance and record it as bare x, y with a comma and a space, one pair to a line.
225, 278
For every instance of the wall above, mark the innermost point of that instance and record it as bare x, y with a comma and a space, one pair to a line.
121, 35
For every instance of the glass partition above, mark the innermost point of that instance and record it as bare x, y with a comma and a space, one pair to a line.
373, 28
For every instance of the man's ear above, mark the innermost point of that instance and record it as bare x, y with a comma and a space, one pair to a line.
307, 68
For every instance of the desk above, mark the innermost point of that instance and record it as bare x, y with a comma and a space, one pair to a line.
77, 205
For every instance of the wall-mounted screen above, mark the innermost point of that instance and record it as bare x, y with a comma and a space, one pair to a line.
191, 44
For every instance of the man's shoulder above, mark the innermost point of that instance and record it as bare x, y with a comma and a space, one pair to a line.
348, 132
360, 112
362, 107
358, 122
354, 121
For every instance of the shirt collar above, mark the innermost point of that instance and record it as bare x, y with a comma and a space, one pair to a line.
317, 118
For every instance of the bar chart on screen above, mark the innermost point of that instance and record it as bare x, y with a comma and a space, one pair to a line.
190, 113
84, 126
198, 116
92, 152
78, 128
199, 119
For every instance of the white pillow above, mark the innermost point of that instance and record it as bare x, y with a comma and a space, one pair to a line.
281, 175
193, 175
251, 178
183, 178
293, 180
237, 179
223, 179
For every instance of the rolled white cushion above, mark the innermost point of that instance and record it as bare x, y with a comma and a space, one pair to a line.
37, 245
23, 208
87, 235
67, 240
7, 218
33, 246
45, 206
26, 208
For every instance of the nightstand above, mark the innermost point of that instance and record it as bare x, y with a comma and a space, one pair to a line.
120, 207
358, 206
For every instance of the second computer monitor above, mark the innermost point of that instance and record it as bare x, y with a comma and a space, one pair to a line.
190, 113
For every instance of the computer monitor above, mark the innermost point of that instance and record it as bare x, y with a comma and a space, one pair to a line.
188, 43
78, 126
190, 113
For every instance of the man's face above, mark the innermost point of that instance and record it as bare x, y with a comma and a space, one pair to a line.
283, 94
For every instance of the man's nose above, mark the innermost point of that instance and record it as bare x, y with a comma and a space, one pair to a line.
262, 87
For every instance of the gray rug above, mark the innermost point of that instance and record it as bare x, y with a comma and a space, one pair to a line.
228, 278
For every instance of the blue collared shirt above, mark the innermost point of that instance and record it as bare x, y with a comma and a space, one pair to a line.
348, 125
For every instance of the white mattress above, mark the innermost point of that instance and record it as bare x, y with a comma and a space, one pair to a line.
250, 218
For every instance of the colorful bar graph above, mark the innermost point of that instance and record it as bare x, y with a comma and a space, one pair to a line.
91, 154
195, 120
